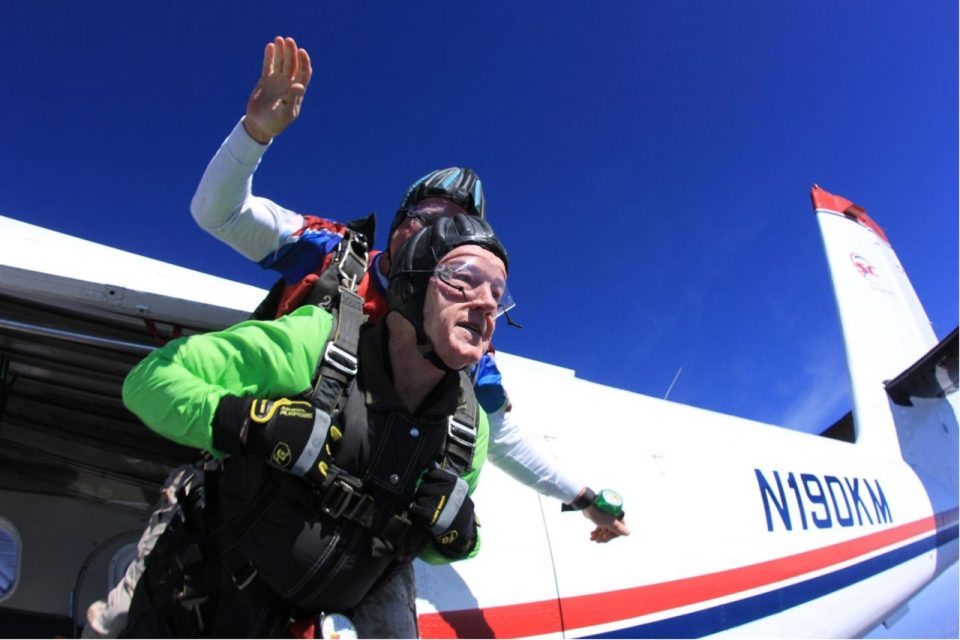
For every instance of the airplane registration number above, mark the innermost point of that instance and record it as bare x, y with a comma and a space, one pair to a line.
804, 500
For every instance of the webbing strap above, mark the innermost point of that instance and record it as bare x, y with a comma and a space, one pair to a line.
227, 536
345, 270
335, 371
338, 363
462, 431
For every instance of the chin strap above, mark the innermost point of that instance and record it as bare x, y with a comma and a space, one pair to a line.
427, 351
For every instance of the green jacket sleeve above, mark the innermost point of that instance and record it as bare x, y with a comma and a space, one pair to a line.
176, 389
429, 554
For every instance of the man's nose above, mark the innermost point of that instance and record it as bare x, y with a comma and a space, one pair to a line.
483, 299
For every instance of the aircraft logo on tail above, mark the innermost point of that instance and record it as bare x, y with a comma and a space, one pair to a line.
866, 269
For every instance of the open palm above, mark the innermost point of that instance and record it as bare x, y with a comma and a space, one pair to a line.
278, 96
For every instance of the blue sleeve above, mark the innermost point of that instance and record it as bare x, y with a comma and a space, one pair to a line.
302, 255
488, 384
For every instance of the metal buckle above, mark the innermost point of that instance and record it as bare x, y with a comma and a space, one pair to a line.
340, 359
461, 433
352, 253
337, 498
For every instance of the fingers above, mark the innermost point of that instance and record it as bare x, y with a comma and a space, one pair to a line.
277, 62
276, 100
606, 534
290, 60
304, 69
282, 56
602, 534
267, 68
608, 527
621, 528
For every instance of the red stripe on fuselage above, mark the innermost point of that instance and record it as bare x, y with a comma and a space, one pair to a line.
543, 617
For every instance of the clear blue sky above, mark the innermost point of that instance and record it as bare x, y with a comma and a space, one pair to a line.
647, 163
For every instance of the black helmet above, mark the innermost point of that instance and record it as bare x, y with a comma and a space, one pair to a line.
419, 256
459, 185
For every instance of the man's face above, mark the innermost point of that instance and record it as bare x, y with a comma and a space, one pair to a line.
460, 307
422, 214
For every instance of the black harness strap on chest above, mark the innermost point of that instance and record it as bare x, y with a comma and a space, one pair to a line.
336, 369
337, 365
343, 495
462, 431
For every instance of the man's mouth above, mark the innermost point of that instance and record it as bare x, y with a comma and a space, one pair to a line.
475, 329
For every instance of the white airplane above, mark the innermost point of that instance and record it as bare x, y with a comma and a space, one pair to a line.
739, 528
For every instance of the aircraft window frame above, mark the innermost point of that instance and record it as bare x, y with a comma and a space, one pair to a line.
8, 530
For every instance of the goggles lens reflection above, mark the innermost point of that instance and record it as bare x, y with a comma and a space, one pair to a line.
469, 276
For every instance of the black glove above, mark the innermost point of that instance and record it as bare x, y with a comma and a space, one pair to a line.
442, 506
292, 434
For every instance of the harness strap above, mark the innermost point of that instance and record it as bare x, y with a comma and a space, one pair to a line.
338, 364
342, 495
462, 432
346, 269
335, 371
227, 536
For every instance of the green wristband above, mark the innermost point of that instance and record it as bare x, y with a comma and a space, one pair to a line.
609, 501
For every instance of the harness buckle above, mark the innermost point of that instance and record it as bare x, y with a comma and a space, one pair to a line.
340, 359
461, 440
343, 497
355, 251
461, 433
336, 499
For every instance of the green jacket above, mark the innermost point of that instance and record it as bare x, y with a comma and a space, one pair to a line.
176, 390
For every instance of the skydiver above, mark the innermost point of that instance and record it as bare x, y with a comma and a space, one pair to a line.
320, 495
292, 243
299, 247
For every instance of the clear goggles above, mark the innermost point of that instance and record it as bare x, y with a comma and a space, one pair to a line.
469, 275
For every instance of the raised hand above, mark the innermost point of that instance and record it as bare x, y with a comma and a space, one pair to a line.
278, 96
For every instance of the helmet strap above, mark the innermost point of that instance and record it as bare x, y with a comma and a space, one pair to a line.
429, 353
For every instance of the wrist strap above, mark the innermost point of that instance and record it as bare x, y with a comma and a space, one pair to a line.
584, 500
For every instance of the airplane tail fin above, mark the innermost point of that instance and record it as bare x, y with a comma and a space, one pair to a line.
885, 328
903, 382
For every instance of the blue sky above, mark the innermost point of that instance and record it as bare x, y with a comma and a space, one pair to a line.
648, 164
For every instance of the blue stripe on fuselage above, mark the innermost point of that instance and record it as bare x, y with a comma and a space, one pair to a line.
733, 614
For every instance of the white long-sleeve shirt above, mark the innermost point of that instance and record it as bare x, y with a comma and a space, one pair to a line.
224, 205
